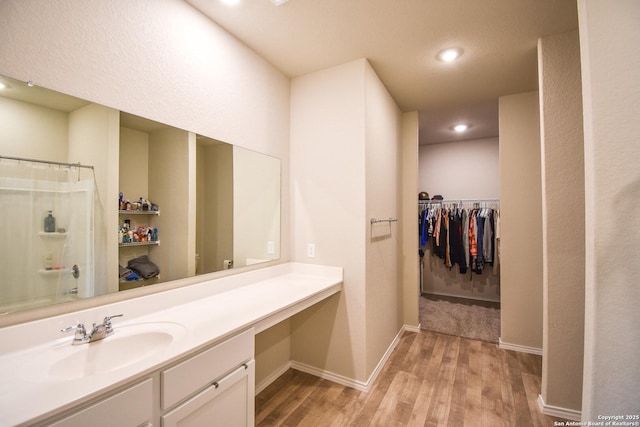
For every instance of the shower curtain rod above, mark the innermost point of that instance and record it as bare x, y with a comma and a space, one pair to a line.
22, 159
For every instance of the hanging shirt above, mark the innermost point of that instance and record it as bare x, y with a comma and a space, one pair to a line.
465, 236
456, 240
473, 244
487, 238
496, 238
480, 244
424, 229
447, 247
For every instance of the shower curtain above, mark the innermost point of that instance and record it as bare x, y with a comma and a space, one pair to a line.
39, 267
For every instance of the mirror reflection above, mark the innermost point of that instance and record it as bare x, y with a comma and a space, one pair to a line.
160, 202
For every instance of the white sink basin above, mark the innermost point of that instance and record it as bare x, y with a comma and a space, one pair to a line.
128, 345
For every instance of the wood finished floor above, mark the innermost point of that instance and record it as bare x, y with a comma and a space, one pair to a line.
430, 379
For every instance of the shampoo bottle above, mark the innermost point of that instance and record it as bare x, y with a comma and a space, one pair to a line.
49, 223
48, 262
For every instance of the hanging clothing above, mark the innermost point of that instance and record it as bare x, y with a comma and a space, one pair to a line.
462, 236
465, 236
447, 243
456, 241
496, 239
424, 227
487, 240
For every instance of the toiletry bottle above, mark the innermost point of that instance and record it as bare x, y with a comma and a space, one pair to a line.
48, 261
49, 223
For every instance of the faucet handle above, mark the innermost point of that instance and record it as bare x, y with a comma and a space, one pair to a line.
107, 323
81, 332
77, 326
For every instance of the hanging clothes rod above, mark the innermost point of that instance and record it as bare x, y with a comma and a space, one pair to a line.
427, 202
47, 162
389, 220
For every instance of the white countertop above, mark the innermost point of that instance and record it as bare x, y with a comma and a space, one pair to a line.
203, 314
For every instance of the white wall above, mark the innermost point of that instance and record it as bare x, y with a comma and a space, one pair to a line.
134, 164
609, 37
345, 150
521, 221
461, 169
410, 266
94, 140
169, 185
214, 239
256, 210
47, 139
562, 159
382, 171
329, 210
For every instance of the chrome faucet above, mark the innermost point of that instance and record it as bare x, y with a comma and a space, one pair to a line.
97, 333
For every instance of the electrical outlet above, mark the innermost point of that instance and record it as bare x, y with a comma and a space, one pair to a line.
271, 249
311, 250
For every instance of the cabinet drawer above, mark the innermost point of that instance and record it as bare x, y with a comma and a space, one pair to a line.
193, 374
131, 407
228, 403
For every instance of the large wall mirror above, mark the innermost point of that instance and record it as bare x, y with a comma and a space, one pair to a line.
149, 204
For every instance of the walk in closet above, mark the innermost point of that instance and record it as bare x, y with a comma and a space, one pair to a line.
459, 238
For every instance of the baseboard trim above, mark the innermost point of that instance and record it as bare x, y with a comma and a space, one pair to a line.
349, 382
517, 347
272, 377
336, 378
555, 411
385, 357
472, 297
409, 328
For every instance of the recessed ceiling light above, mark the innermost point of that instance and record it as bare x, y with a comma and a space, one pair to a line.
450, 55
279, 2
230, 2
460, 127
3, 86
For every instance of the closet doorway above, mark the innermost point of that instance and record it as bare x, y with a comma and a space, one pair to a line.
459, 230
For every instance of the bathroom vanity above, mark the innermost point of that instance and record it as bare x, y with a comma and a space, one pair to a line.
182, 357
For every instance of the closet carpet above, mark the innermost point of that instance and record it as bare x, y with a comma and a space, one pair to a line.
477, 320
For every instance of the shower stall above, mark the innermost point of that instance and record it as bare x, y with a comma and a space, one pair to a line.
46, 233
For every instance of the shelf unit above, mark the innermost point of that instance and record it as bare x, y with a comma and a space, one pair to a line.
148, 243
53, 234
138, 212
124, 284
53, 271
52, 241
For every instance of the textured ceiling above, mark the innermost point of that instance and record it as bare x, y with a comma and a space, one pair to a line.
401, 39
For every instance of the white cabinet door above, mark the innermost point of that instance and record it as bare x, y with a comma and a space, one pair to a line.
228, 402
197, 372
130, 408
